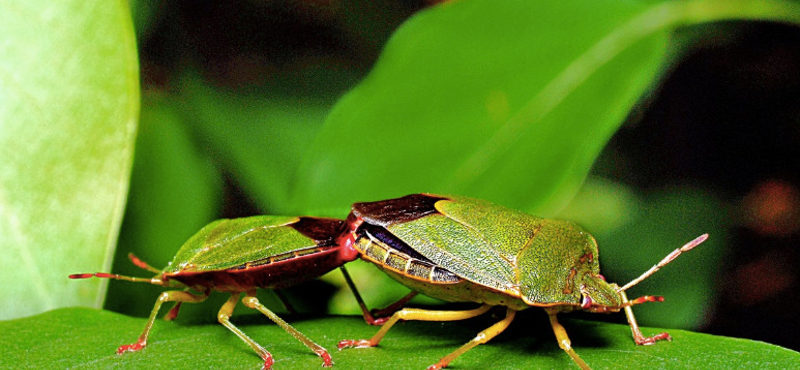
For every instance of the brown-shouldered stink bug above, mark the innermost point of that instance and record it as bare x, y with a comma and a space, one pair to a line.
461, 249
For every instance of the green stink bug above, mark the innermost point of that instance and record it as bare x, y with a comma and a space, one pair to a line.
239, 255
461, 249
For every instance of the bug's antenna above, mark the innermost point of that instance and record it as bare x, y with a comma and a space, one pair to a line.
687, 247
142, 264
103, 275
136, 261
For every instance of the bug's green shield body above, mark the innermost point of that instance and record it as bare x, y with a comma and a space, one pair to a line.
259, 251
229, 243
556, 264
511, 258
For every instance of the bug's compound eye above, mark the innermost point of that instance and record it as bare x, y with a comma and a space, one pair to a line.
601, 277
586, 302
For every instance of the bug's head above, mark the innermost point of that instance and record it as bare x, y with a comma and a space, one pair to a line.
597, 295
601, 296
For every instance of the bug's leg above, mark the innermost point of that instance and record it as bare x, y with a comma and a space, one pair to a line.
173, 312
375, 317
386, 312
413, 314
224, 318
170, 296
368, 317
282, 297
482, 337
563, 339
251, 301
637, 333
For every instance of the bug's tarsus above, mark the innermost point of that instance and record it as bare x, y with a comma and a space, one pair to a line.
638, 337
133, 347
327, 361
169, 296
224, 315
669, 258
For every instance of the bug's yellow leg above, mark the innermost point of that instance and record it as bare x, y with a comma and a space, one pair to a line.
563, 339
413, 314
170, 296
224, 318
251, 301
482, 337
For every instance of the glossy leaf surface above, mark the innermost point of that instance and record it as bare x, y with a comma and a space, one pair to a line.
86, 339
468, 98
499, 101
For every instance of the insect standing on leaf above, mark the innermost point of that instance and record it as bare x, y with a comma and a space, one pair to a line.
239, 255
460, 249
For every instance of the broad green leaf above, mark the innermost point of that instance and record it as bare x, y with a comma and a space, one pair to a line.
262, 137
69, 100
476, 96
87, 339
507, 101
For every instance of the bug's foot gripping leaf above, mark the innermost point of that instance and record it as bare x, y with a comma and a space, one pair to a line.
268, 361
356, 343
133, 347
326, 358
646, 341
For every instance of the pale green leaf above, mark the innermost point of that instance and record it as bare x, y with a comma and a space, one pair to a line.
69, 100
